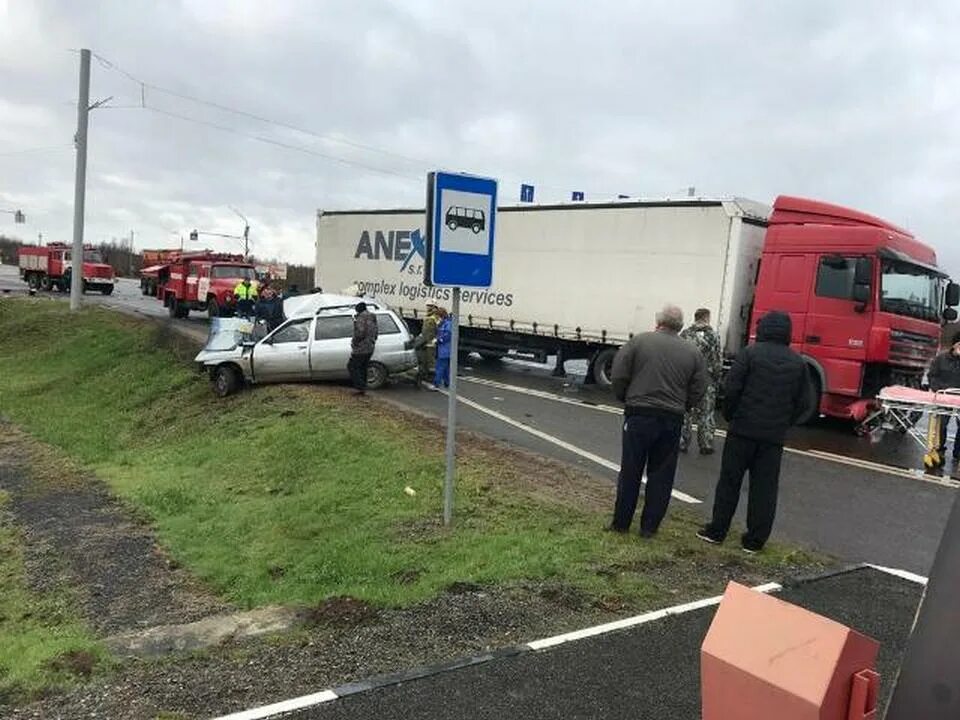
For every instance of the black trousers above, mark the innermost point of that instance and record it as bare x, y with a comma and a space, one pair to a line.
650, 442
762, 460
357, 365
944, 422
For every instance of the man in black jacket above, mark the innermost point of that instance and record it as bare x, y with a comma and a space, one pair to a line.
765, 393
658, 377
945, 373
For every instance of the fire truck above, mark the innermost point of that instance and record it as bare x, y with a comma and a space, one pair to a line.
50, 266
196, 281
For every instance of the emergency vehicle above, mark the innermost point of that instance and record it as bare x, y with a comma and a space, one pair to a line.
196, 281
50, 267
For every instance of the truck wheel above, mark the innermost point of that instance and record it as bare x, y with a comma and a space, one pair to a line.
452, 224
226, 380
172, 308
811, 400
602, 369
476, 228
492, 356
213, 310
376, 376
84, 288
32, 281
107, 289
45, 283
183, 310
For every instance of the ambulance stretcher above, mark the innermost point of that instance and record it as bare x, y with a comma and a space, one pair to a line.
903, 406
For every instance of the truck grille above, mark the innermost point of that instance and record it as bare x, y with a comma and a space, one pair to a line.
911, 349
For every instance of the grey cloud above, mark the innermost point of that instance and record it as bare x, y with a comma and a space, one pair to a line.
850, 102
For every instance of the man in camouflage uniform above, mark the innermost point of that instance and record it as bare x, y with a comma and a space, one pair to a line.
426, 345
708, 342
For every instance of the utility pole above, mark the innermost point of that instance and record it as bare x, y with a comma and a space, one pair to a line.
246, 233
80, 182
130, 255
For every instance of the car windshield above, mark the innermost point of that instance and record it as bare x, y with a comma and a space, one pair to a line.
911, 290
233, 271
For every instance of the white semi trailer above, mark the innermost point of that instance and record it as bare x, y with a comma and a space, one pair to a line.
573, 281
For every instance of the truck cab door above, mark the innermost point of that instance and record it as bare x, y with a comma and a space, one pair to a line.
284, 354
839, 317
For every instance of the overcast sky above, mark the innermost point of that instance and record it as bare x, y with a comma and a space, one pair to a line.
855, 102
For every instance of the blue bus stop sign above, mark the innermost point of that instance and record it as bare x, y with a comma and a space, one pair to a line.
461, 220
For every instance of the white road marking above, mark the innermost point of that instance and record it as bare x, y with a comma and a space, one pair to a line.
682, 496
267, 711
638, 620
815, 454
902, 574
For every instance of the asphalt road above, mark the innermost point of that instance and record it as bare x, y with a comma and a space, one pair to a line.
649, 672
850, 510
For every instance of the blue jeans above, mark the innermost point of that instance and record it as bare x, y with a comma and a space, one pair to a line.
441, 376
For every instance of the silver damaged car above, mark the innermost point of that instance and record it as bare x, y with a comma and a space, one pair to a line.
312, 344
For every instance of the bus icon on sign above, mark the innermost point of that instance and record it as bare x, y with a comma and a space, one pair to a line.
464, 217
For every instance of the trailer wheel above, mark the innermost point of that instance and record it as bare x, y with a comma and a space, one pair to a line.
226, 380
602, 368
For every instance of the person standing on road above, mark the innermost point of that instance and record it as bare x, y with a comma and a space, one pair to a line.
658, 377
269, 307
708, 342
441, 377
944, 374
246, 294
425, 345
765, 393
365, 332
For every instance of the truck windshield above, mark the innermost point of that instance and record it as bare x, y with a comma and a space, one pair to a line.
92, 256
910, 290
233, 271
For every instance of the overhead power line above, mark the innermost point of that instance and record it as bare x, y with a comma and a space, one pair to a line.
108, 64
49, 148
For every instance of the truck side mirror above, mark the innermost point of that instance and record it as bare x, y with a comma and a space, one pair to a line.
949, 314
953, 295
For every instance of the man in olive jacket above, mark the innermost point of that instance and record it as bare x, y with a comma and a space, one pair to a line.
765, 393
365, 332
658, 377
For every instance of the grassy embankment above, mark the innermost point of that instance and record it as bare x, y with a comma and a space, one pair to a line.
293, 494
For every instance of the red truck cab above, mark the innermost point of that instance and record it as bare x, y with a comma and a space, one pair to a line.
197, 281
866, 299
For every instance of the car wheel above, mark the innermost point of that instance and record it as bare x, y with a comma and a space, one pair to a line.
376, 376
107, 289
213, 310
476, 228
452, 224
226, 380
603, 367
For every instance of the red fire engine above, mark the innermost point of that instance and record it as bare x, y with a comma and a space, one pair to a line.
49, 267
196, 281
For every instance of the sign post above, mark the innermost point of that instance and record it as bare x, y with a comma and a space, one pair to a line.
460, 225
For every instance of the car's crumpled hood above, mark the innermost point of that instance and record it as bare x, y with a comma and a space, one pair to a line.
225, 339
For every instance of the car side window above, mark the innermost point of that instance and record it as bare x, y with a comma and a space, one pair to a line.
334, 327
296, 332
386, 325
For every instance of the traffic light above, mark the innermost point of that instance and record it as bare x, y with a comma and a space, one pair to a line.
194, 236
19, 217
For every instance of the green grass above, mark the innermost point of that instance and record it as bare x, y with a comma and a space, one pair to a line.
39, 632
288, 494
